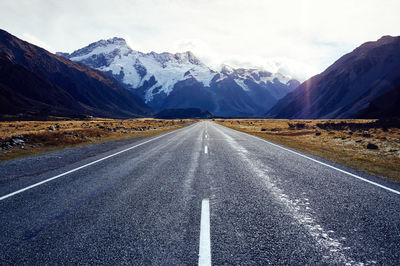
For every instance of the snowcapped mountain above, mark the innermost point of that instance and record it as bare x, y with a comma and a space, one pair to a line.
36, 84
256, 82
181, 80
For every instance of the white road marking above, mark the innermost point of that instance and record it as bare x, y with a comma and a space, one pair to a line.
205, 242
297, 208
205, 149
327, 165
78, 168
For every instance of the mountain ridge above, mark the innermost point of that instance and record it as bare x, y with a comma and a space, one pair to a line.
155, 77
36, 82
347, 87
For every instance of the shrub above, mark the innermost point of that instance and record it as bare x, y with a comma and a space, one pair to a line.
372, 146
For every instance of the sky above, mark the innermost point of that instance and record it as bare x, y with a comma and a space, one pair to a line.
299, 38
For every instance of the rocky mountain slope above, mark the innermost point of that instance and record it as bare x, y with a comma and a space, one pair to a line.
363, 83
165, 80
34, 82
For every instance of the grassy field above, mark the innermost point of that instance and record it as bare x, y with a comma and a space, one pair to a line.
364, 145
23, 138
361, 144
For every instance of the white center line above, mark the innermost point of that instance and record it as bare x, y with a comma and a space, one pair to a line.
206, 149
205, 243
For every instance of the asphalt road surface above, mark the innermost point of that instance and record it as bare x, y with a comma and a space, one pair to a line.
204, 194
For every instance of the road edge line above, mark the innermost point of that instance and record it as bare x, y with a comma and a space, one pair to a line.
80, 167
322, 163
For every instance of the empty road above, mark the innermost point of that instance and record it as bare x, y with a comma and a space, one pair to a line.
204, 194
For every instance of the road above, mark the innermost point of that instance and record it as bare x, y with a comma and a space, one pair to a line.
206, 190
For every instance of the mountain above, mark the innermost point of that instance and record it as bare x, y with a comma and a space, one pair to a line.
36, 83
184, 113
181, 80
384, 106
363, 83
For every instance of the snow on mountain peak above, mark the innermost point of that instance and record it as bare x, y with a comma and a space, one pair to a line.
134, 68
168, 69
225, 69
157, 73
189, 57
240, 75
99, 47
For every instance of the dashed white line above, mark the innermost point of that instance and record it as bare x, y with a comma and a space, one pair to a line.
205, 149
205, 242
78, 168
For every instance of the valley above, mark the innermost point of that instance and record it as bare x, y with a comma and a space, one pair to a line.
199, 132
365, 145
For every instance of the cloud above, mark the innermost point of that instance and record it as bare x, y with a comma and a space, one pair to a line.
286, 66
205, 52
300, 37
201, 49
215, 60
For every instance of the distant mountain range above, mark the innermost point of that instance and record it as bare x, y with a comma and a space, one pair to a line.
364, 83
165, 80
109, 79
35, 83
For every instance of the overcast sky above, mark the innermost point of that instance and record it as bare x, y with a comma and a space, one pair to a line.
297, 37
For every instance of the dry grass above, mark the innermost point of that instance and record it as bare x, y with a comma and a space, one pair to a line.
345, 145
44, 136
